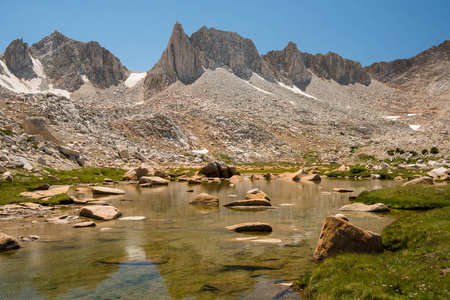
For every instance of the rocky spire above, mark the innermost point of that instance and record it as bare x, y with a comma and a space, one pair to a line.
18, 60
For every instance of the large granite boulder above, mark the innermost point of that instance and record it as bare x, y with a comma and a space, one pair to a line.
8, 242
100, 212
339, 236
218, 169
439, 172
205, 199
38, 125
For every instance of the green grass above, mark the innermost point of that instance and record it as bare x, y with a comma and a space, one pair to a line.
23, 182
418, 269
409, 197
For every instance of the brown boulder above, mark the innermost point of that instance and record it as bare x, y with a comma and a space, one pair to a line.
250, 226
269, 176
205, 199
297, 176
218, 169
8, 242
311, 177
154, 180
38, 125
340, 236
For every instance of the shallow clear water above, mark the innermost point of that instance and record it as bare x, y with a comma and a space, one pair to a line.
182, 251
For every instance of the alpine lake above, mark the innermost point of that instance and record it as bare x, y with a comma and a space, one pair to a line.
182, 251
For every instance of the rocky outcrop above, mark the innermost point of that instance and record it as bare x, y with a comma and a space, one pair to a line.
218, 169
100, 212
417, 72
69, 63
339, 236
8, 242
18, 59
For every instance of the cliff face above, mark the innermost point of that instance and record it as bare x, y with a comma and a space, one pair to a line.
430, 67
69, 63
18, 60
185, 58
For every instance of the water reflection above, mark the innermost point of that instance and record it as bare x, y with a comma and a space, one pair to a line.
182, 251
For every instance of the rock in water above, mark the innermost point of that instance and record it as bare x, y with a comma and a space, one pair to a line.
100, 190
340, 236
8, 242
251, 202
256, 194
153, 180
378, 207
100, 212
218, 169
311, 177
250, 226
205, 199
84, 224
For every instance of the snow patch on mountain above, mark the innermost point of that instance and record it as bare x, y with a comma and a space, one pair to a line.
134, 78
296, 90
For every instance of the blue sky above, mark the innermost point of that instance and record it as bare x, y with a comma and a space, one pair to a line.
138, 31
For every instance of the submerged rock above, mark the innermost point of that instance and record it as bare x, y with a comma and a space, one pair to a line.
342, 190
84, 224
340, 236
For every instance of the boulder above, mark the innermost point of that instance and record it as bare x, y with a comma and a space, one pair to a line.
8, 242
100, 212
256, 194
2, 169
435, 173
251, 202
256, 177
42, 187
42, 161
218, 169
235, 179
154, 180
445, 177
123, 152
385, 166
7, 176
84, 224
422, 180
269, 176
160, 173
311, 177
375, 176
205, 199
339, 236
100, 190
378, 207
38, 125
398, 178
342, 190
136, 173
68, 151
250, 226
62, 189
341, 216
299, 175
